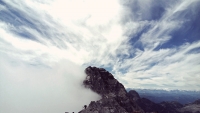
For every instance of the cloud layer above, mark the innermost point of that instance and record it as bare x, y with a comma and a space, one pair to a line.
145, 44
26, 88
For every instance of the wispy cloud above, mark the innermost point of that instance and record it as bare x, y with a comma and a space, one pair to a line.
147, 44
158, 67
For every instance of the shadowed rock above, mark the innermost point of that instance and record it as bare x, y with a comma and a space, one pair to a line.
114, 96
115, 99
133, 95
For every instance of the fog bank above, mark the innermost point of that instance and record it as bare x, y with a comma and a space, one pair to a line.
26, 88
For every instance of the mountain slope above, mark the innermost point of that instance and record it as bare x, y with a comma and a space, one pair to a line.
114, 96
191, 108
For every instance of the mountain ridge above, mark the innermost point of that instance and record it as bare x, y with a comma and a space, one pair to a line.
159, 95
115, 98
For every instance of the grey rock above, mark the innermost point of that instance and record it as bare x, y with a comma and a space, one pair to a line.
133, 95
115, 99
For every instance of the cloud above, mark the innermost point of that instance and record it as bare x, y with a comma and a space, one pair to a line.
150, 64
166, 69
71, 27
146, 44
29, 88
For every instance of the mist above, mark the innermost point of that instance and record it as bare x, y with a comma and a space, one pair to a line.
26, 88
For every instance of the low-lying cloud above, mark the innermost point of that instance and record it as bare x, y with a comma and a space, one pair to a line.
28, 88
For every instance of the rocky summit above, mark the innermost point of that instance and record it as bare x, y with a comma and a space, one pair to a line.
115, 99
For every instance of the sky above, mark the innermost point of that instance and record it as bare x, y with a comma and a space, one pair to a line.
45, 45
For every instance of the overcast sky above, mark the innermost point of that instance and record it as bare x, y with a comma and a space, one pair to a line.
46, 44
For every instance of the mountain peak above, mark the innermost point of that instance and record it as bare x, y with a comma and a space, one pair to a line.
114, 96
115, 99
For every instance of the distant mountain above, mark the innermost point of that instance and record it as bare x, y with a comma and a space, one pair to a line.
164, 107
115, 99
157, 96
149, 106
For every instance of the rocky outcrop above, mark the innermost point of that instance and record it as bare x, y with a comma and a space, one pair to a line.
191, 108
114, 96
115, 99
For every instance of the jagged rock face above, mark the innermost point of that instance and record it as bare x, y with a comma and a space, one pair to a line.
114, 96
115, 99
103, 83
109, 105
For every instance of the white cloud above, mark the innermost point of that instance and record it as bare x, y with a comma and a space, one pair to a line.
174, 68
96, 33
36, 89
79, 37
